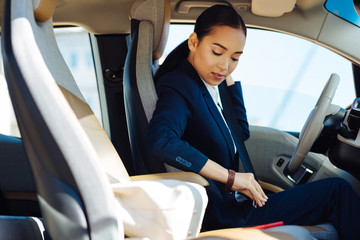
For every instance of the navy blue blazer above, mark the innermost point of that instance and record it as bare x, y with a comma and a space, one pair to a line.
187, 129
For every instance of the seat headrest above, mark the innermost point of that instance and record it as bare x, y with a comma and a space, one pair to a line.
158, 13
44, 9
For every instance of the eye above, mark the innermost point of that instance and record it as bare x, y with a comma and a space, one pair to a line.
216, 53
235, 59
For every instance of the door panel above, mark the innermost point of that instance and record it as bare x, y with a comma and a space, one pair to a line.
267, 146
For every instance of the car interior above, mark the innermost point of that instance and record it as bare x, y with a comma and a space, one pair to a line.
57, 180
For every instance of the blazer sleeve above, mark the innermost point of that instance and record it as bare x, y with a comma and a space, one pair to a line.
166, 128
237, 100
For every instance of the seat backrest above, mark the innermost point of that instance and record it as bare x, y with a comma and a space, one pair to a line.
150, 21
74, 205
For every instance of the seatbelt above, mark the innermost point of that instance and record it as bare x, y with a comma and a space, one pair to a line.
229, 115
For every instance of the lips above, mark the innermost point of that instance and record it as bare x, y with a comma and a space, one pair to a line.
218, 76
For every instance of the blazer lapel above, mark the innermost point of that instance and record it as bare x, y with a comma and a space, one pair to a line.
217, 116
188, 68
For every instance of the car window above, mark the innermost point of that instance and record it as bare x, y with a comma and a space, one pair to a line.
74, 44
8, 125
282, 76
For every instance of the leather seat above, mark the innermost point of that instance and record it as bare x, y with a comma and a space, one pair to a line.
72, 159
149, 31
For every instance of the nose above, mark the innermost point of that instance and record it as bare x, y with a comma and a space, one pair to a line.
223, 64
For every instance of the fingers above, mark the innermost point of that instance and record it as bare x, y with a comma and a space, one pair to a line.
259, 196
229, 80
263, 198
246, 183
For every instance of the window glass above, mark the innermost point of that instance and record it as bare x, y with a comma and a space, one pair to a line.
282, 76
8, 125
74, 44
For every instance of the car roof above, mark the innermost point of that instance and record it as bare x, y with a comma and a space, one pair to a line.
304, 18
112, 16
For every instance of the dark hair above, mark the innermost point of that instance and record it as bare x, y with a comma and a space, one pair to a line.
217, 15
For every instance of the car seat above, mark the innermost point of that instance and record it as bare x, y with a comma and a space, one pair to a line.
149, 31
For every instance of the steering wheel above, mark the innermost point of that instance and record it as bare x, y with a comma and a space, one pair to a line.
314, 123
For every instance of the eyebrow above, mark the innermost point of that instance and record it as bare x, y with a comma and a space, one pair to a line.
223, 47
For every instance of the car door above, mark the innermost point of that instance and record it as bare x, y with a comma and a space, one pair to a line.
282, 78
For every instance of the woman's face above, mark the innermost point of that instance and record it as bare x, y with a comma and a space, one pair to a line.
216, 56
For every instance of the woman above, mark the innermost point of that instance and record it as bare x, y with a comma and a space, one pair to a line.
200, 124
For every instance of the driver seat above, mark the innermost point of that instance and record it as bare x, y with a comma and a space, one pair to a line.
150, 22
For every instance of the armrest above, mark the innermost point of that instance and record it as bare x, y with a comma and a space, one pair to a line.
182, 176
270, 187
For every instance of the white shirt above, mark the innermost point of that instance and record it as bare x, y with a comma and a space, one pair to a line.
214, 93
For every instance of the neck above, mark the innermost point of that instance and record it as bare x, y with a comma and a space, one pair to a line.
190, 58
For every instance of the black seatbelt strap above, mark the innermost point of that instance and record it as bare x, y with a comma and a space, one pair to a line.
229, 115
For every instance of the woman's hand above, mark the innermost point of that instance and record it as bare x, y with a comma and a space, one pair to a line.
243, 182
247, 184
229, 80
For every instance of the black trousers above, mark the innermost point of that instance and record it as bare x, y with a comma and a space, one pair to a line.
329, 200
